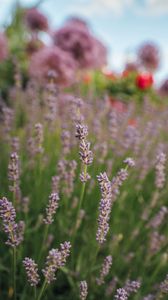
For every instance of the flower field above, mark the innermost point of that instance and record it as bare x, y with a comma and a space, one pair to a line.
83, 167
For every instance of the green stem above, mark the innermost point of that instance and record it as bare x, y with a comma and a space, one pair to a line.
44, 242
14, 272
35, 292
42, 290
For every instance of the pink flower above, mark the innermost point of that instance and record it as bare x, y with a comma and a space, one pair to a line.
78, 42
3, 47
53, 59
36, 20
149, 56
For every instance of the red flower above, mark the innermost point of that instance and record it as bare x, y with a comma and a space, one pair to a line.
144, 81
132, 122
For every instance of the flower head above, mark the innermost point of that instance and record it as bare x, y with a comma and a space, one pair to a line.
83, 290
31, 271
53, 59
36, 20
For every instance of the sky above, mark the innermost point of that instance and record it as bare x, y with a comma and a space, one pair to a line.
121, 24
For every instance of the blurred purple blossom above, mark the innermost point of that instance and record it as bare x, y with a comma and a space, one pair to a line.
53, 59
36, 20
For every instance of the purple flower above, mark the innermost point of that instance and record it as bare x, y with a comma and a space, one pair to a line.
53, 59
51, 208
105, 269
164, 285
31, 271
78, 42
149, 56
130, 162
13, 230
132, 286
83, 290
121, 294
36, 20
81, 131
3, 47
104, 207
55, 260
160, 170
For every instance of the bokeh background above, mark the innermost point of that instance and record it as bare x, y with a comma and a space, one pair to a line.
121, 24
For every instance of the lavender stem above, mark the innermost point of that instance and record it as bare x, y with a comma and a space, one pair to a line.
14, 272
44, 286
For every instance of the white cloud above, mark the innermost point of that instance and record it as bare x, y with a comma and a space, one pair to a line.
152, 8
100, 7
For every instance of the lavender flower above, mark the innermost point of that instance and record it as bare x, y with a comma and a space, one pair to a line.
121, 294
132, 286
130, 162
164, 285
105, 269
85, 153
36, 20
111, 286
31, 271
13, 169
81, 131
104, 207
158, 219
160, 170
39, 138
83, 290
55, 260
55, 184
51, 208
13, 230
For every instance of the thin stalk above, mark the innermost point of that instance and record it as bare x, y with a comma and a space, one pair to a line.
35, 293
44, 242
14, 272
44, 286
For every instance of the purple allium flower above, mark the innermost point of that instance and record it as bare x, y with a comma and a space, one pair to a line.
55, 59
160, 170
105, 269
77, 41
81, 131
149, 56
121, 294
39, 138
31, 271
76, 21
51, 208
164, 285
13, 230
3, 47
83, 290
104, 207
132, 286
164, 89
36, 20
55, 260
99, 54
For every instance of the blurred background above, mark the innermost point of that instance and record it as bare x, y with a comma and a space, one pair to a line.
122, 25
